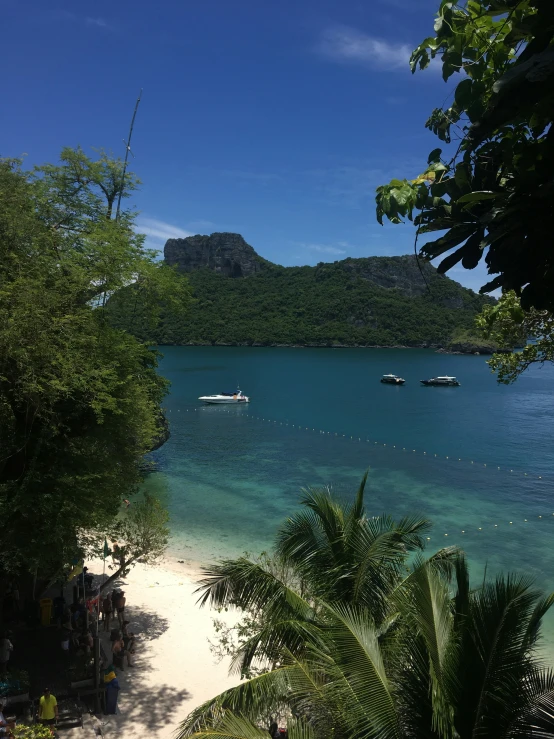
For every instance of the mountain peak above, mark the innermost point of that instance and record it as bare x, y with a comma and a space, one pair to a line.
226, 253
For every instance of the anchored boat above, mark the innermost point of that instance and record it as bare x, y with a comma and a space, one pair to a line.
392, 380
441, 381
225, 398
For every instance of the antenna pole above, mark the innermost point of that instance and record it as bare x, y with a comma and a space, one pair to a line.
127, 150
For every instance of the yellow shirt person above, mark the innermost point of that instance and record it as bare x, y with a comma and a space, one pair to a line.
48, 708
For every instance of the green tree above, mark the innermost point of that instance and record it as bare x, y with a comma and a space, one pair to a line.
141, 533
492, 191
329, 551
79, 399
441, 660
508, 325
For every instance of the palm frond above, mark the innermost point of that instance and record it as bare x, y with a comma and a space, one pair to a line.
247, 585
302, 542
249, 699
297, 729
429, 614
359, 660
533, 628
231, 726
494, 662
536, 718
357, 510
274, 640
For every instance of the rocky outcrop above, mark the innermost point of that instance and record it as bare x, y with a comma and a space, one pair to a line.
402, 273
226, 253
470, 347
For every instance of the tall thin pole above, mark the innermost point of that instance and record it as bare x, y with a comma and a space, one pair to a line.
127, 150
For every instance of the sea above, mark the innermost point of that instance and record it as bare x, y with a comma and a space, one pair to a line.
477, 460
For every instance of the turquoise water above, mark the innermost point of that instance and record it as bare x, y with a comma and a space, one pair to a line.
233, 474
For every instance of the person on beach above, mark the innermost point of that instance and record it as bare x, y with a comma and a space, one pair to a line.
107, 609
128, 643
112, 690
6, 648
120, 605
118, 654
6, 724
48, 708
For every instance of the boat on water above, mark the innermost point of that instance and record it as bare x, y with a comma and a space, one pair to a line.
392, 380
225, 398
444, 381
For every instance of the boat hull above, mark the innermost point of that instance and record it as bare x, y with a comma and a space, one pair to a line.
393, 382
430, 383
224, 401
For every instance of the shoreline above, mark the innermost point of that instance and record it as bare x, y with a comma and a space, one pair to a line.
436, 348
174, 670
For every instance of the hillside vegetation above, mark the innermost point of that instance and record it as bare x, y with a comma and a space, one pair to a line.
338, 304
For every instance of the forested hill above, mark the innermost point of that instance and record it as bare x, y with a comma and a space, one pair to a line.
242, 299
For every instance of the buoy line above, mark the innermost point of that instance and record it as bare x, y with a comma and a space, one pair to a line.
503, 526
361, 439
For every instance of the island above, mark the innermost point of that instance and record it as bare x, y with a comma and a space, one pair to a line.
241, 299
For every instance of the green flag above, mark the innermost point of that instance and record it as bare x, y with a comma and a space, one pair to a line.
106, 549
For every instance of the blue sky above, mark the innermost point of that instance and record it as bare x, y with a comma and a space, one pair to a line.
272, 118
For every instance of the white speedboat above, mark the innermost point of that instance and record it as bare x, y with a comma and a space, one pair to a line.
392, 380
225, 398
441, 381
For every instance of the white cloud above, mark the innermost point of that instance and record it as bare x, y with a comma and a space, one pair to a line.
160, 230
99, 22
345, 44
322, 248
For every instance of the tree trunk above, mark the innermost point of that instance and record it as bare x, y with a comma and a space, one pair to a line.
123, 566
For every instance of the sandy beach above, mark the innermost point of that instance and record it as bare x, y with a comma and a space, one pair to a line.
174, 669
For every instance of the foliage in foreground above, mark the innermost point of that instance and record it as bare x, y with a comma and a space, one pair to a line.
504, 323
493, 190
79, 399
370, 644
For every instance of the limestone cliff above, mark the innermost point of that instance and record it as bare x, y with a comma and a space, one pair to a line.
226, 253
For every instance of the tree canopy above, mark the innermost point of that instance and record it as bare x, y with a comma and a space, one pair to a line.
491, 186
326, 305
79, 399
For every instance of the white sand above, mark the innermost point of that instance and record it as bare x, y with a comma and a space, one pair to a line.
174, 669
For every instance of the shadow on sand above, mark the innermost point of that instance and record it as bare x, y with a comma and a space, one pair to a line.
150, 711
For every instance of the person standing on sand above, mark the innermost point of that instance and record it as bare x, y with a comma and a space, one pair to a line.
48, 708
107, 611
120, 605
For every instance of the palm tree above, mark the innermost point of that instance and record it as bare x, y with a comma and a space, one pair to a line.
455, 665
329, 552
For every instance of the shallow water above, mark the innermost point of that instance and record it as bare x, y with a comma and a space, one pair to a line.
321, 417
